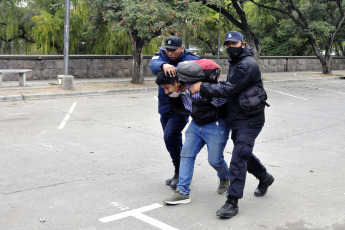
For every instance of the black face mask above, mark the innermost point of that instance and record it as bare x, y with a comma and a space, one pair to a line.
234, 52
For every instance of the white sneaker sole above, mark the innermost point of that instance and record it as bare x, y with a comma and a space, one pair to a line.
186, 201
222, 193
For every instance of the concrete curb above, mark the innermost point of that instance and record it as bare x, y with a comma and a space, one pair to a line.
72, 94
11, 98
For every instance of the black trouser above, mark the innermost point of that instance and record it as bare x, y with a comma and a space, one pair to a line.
243, 159
173, 124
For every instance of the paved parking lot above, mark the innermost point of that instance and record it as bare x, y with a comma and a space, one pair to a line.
100, 163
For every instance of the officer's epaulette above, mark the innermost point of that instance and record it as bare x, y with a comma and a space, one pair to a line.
162, 50
192, 53
195, 55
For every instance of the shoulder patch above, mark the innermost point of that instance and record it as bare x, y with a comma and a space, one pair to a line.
191, 53
155, 57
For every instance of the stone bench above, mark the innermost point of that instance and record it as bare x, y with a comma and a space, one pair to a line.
22, 75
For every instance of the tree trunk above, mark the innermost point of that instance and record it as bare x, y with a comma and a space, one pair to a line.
341, 48
325, 60
253, 42
137, 57
326, 63
251, 39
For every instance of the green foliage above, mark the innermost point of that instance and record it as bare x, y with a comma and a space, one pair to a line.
202, 34
282, 36
8, 26
105, 27
153, 46
142, 20
148, 21
111, 43
79, 23
48, 32
145, 18
50, 6
12, 24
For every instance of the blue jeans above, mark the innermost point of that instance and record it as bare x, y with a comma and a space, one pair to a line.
215, 135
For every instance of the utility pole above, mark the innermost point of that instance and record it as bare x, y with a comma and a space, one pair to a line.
220, 11
66, 80
66, 36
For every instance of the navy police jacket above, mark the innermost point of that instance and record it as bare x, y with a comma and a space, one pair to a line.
156, 63
243, 73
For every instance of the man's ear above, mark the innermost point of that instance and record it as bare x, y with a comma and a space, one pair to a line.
177, 83
243, 44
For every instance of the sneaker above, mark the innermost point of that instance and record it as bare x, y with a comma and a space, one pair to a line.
229, 209
261, 190
172, 181
178, 198
223, 186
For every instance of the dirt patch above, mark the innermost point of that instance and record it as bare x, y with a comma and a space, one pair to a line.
326, 75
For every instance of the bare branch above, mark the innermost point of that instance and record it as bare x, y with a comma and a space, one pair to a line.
337, 26
240, 13
209, 44
224, 12
269, 7
287, 13
300, 15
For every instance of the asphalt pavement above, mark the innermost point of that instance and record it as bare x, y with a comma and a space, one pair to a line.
97, 160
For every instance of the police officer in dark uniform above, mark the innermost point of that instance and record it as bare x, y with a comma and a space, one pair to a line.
172, 123
243, 73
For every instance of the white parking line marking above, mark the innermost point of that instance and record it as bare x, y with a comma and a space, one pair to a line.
14, 114
45, 145
153, 222
288, 94
70, 111
138, 213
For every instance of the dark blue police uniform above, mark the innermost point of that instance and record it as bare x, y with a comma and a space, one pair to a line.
172, 123
243, 72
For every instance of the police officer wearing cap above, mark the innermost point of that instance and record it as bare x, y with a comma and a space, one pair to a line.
243, 72
172, 123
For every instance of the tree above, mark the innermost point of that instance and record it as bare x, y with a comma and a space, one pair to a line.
201, 35
339, 44
234, 11
142, 20
278, 37
318, 20
48, 32
48, 28
14, 24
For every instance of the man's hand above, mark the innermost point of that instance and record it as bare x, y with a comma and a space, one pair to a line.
169, 70
195, 87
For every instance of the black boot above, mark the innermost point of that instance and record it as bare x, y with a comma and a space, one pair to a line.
172, 181
229, 209
264, 183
